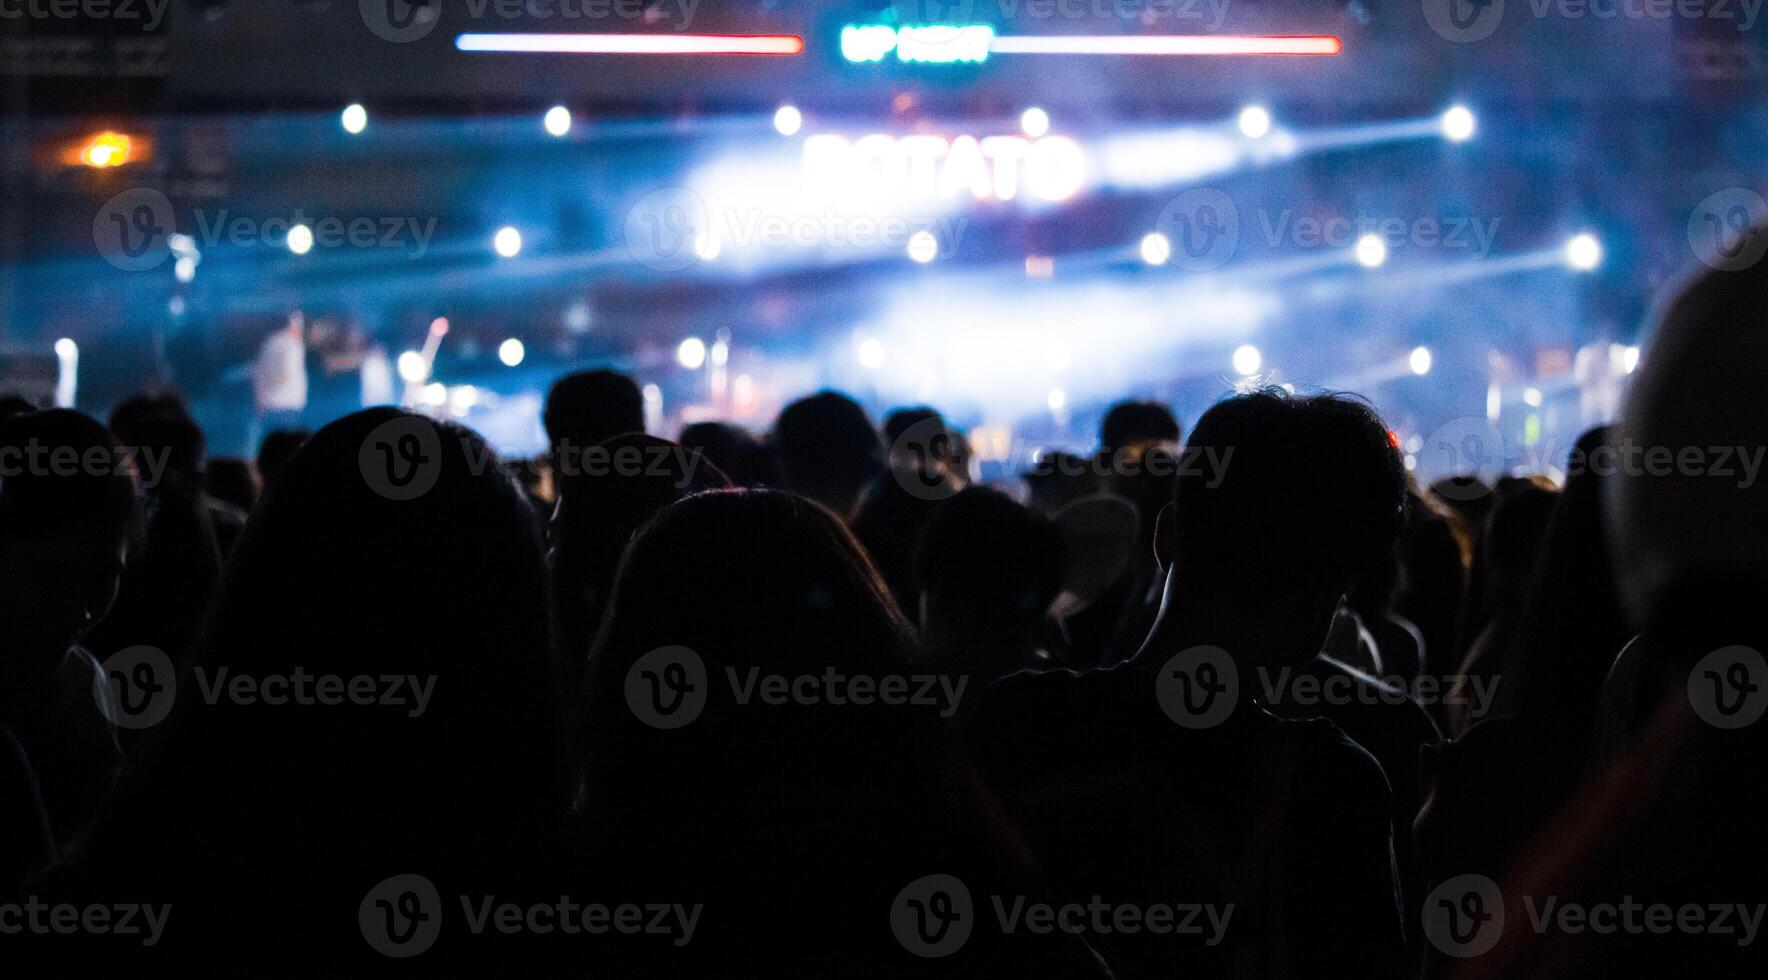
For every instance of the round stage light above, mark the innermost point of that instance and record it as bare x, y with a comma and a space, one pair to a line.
557, 120
1156, 249
1532, 397
1247, 359
923, 247
1630, 359
511, 352
300, 239
66, 348
1458, 124
1255, 121
412, 367
1583, 252
1057, 399
707, 246
691, 354
354, 118
1420, 360
1034, 122
184, 270
1371, 251
871, 353
507, 242
787, 120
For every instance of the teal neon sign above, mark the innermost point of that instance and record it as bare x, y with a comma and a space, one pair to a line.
938, 44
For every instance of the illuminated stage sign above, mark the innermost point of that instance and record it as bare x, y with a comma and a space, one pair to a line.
935, 44
920, 166
942, 44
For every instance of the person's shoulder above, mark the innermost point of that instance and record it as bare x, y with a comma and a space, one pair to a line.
1034, 705
1391, 700
1329, 759
1076, 689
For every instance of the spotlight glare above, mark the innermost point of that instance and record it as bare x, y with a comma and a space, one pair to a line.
923, 247
787, 120
1247, 360
184, 270
1057, 399
1630, 359
1155, 248
66, 348
1371, 251
1420, 360
354, 118
1532, 397
1034, 122
1057, 357
871, 353
1458, 124
1255, 121
507, 242
707, 246
691, 354
557, 120
511, 352
412, 367
1583, 252
300, 239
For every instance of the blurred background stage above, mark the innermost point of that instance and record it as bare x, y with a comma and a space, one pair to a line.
1009, 209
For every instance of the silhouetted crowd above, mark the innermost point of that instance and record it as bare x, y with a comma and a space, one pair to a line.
1238, 701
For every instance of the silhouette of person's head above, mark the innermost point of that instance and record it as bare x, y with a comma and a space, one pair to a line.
1058, 479
1133, 424
590, 407
1309, 496
162, 424
828, 450
988, 569
275, 450
11, 404
1689, 528
67, 509
605, 496
446, 588
778, 583
733, 450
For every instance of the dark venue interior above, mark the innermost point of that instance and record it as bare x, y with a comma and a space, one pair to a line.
886, 488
